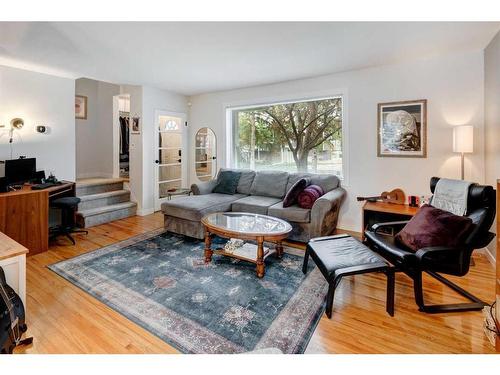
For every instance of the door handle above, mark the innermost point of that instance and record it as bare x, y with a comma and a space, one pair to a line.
179, 160
157, 161
214, 157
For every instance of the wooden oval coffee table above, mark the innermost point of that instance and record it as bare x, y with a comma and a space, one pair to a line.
245, 226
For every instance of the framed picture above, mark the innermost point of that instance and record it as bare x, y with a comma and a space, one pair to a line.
136, 125
402, 129
80, 107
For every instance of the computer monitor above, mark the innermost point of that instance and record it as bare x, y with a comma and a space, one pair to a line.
19, 171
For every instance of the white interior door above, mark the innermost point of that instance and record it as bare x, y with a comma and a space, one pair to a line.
170, 154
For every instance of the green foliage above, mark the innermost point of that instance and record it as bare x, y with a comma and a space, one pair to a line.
301, 127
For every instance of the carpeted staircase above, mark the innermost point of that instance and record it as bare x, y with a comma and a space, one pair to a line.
102, 200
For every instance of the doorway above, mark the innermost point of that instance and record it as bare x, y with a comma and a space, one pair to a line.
124, 132
170, 139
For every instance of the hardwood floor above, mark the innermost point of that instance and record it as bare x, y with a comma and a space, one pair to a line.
64, 319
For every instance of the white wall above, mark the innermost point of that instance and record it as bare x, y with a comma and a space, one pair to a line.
153, 100
452, 85
39, 99
492, 117
96, 130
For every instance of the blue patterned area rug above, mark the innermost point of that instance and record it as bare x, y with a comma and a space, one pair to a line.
160, 281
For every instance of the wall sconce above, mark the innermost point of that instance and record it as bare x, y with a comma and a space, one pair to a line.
15, 124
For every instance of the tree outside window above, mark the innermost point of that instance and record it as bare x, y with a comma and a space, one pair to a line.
300, 136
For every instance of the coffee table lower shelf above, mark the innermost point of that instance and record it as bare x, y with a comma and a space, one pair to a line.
220, 251
259, 261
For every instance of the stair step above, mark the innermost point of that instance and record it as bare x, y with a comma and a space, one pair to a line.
100, 215
98, 185
103, 199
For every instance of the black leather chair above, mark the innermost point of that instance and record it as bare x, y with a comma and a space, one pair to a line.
481, 208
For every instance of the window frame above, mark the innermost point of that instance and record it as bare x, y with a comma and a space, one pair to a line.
231, 109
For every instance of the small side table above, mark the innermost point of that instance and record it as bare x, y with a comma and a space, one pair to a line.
13, 262
180, 191
381, 212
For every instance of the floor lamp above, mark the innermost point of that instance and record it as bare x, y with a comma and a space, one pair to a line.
463, 142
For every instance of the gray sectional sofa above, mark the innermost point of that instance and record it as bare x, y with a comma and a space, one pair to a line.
260, 192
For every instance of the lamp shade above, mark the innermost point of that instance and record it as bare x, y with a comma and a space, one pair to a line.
463, 138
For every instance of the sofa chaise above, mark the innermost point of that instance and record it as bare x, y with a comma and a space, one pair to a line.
259, 192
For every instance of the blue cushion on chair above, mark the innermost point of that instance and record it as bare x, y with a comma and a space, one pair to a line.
65, 202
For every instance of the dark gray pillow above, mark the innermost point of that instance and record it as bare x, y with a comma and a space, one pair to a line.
293, 193
227, 182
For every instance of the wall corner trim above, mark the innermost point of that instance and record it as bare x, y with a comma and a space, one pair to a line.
489, 255
145, 211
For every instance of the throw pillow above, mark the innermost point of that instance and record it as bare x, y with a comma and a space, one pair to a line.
227, 182
309, 195
434, 227
293, 193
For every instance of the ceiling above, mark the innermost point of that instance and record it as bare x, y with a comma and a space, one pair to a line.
197, 57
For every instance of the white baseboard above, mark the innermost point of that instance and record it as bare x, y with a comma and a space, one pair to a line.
145, 211
489, 254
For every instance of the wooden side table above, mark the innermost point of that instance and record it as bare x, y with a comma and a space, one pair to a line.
381, 212
180, 191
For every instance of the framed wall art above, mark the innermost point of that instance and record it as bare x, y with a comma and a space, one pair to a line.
402, 129
80, 107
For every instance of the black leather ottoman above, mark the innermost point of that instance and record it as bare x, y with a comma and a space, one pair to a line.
342, 255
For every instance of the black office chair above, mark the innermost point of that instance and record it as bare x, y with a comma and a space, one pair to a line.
68, 206
481, 209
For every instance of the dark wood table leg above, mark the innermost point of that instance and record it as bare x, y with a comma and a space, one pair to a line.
208, 246
260, 257
391, 280
279, 249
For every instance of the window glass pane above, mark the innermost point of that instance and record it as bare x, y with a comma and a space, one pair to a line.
169, 156
203, 154
299, 136
170, 140
165, 186
168, 123
170, 172
204, 170
205, 138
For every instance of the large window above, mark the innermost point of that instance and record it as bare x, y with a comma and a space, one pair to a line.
296, 136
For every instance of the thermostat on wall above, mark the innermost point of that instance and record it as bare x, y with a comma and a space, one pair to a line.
42, 129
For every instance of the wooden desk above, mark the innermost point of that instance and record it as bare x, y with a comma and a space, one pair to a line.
380, 212
24, 214
13, 262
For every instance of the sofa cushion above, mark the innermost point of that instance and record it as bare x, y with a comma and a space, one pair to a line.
434, 227
309, 195
292, 213
326, 181
293, 193
227, 182
196, 206
269, 184
246, 179
254, 203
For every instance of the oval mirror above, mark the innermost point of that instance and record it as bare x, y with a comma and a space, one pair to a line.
205, 154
